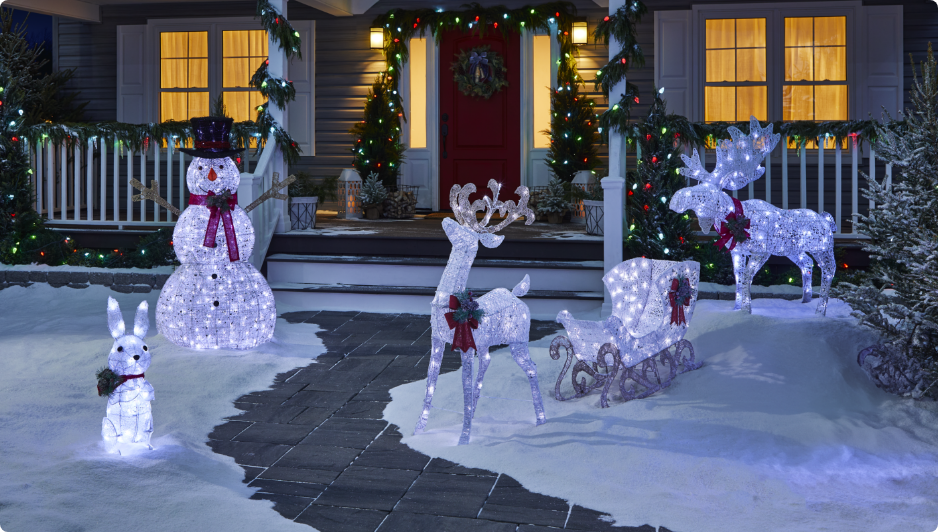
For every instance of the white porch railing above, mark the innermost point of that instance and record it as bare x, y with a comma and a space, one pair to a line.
816, 172
270, 215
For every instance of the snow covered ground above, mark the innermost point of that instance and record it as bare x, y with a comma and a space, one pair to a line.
55, 476
779, 431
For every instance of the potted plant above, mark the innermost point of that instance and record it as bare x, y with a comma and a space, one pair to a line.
554, 201
372, 197
306, 194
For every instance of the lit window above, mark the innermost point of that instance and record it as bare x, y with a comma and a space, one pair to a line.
541, 90
183, 75
243, 52
418, 93
815, 85
736, 85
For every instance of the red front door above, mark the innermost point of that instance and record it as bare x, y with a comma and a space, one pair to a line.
480, 139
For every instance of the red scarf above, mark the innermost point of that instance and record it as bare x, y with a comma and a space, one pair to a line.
212, 228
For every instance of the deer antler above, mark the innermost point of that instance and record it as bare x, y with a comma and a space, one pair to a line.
466, 213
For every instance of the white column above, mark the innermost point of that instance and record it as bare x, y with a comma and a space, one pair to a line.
612, 229
278, 69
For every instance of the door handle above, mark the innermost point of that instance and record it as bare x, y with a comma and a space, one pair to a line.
444, 130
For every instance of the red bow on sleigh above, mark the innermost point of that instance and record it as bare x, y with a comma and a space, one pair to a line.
224, 215
462, 338
680, 298
734, 229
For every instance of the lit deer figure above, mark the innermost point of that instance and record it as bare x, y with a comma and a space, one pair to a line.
506, 318
753, 229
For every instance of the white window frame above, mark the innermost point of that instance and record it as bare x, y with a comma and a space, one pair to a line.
775, 15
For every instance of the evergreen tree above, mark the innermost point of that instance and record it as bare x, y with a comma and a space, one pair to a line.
903, 240
655, 231
378, 148
572, 132
555, 198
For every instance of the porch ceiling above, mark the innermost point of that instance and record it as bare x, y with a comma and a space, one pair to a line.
89, 10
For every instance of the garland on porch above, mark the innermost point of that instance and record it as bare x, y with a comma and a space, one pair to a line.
620, 26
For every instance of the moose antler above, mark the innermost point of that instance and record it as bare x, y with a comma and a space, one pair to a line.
466, 213
738, 159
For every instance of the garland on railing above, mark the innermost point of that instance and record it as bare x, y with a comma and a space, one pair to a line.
279, 89
620, 26
279, 28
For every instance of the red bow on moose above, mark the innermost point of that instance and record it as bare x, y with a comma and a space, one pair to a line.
734, 229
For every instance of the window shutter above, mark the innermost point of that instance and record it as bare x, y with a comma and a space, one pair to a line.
301, 113
673, 54
879, 61
131, 74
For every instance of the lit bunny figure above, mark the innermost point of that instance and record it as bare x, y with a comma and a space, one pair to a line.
129, 419
216, 299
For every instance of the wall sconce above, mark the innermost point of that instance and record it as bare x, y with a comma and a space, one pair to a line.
580, 34
377, 38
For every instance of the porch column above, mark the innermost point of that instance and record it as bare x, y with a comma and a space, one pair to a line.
277, 67
614, 184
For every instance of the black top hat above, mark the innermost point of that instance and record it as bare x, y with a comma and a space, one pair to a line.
211, 138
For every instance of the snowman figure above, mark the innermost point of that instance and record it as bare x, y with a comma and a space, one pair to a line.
216, 299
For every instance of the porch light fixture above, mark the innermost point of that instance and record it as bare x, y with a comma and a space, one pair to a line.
580, 34
377, 38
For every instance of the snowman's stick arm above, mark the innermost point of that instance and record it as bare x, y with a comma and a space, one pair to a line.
273, 192
153, 194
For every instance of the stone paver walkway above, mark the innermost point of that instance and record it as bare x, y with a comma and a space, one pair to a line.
315, 444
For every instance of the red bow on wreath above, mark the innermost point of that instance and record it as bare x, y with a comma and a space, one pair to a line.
462, 338
733, 230
679, 295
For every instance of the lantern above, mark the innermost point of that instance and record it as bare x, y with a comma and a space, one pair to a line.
350, 185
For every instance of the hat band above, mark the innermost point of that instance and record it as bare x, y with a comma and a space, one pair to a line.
208, 145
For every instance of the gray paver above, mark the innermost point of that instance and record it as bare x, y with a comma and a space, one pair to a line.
368, 487
442, 494
332, 519
408, 522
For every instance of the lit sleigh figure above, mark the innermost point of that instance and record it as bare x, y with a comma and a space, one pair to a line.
496, 318
215, 299
753, 230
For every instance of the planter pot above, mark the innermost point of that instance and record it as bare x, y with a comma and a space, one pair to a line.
372, 212
554, 217
303, 213
594, 217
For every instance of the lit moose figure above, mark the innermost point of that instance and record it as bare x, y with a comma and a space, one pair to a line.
129, 418
215, 299
505, 319
753, 230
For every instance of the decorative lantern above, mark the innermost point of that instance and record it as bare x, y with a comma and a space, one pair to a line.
350, 185
377, 38
580, 33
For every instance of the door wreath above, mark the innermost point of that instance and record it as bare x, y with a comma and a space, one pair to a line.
479, 72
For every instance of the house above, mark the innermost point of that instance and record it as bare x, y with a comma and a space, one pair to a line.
150, 61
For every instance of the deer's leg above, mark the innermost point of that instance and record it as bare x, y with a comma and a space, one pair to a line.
484, 359
468, 397
806, 265
742, 281
436, 356
827, 263
519, 351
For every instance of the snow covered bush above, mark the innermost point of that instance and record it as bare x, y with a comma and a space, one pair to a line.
555, 199
373, 191
901, 299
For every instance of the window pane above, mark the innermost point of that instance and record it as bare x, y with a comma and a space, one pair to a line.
830, 63
238, 104
418, 92
198, 73
235, 43
799, 64
198, 44
797, 102
799, 31
173, 74
830, 31
750, 33
258, 43
750, 64
720, 104
830, 102
237, 72
174, 44
257, 99
173, 106
721, 65
751, 101
198, 104
721, 33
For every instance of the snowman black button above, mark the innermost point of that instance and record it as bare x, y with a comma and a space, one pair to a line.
215, 303
214, 276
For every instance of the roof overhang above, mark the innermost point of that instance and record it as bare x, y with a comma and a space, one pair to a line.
74, 9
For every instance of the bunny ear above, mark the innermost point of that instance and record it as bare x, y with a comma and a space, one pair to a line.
115, 321
142, 320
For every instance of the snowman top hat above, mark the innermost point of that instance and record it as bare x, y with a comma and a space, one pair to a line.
211, 138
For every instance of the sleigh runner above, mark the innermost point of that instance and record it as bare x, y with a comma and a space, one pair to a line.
642, 342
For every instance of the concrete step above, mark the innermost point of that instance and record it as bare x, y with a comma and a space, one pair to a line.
425, 272
544, 304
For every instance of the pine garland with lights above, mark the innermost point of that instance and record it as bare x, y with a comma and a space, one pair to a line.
620, 26
655, 231
378, 149
279, 89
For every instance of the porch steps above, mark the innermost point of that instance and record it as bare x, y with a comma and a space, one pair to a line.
407, 284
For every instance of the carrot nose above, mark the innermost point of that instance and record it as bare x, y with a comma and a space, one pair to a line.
212, 176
